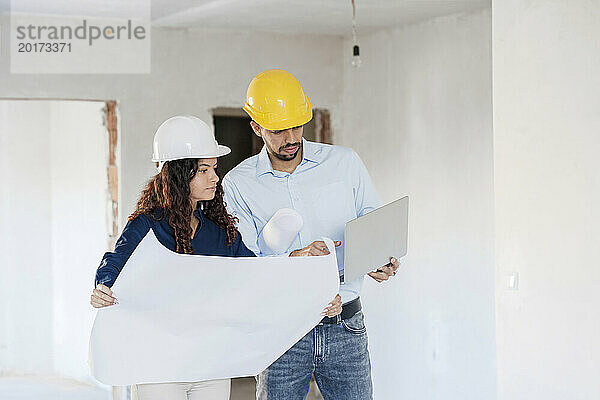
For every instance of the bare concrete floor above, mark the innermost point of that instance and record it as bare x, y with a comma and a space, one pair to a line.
42, 388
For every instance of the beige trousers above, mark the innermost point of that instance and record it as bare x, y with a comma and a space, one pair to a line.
206, 390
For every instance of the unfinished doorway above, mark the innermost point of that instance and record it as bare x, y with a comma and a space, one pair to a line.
59, 206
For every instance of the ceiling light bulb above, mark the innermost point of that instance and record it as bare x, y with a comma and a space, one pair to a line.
355, 56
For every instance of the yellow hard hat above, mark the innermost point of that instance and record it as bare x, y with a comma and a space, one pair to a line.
275, 100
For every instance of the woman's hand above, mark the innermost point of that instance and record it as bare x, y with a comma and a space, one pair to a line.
316, 248
102, 296
334, 308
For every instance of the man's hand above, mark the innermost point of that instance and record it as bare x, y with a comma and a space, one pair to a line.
316, 248
334, 308
384, 273
102, 296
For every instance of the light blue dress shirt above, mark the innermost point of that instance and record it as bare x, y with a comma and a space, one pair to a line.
329, 187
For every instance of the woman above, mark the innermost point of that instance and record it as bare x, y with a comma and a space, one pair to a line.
183, 204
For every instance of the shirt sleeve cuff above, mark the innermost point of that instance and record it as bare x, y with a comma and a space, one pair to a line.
106, 281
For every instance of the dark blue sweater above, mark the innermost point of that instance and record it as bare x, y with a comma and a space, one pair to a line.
209, 240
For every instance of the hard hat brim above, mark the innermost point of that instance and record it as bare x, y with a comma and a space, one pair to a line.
278, 125
221, 151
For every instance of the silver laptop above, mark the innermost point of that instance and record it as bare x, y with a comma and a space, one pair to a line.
373, 238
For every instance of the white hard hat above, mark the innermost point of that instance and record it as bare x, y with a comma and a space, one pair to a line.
182, 137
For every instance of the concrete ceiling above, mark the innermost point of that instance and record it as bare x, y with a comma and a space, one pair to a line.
284, 16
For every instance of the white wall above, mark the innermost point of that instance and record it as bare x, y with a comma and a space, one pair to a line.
547, 196
79, 201
192, 72
419, 112
54, 231
26, 333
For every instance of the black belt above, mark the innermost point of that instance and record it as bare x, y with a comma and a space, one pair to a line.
348, 311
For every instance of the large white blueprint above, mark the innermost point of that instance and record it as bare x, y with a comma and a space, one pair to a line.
190, 318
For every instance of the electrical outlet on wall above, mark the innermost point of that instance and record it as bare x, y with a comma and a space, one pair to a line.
512, 281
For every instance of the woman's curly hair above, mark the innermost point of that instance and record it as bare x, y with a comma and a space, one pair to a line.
168, 194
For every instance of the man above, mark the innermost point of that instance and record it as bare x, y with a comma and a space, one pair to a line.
328, 186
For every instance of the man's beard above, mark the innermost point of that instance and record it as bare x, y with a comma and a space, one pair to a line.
288, 157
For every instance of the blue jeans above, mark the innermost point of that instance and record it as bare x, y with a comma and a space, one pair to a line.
336, 354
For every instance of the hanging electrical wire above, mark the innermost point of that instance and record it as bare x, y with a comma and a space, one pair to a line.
355, 48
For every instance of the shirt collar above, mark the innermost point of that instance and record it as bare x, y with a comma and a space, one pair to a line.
310, 152
198, 212
263, 164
